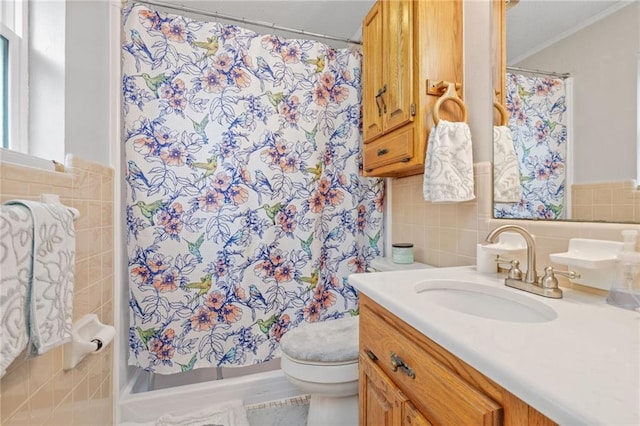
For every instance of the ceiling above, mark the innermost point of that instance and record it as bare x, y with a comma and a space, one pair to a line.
531, 24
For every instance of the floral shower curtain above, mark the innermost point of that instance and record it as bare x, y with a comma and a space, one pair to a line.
538, 121
246, 209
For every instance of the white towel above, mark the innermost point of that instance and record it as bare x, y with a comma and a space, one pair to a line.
50, 292
16, 236
448, 169
506, 172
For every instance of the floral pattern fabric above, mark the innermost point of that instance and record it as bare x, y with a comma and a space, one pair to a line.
538, 122
246, 207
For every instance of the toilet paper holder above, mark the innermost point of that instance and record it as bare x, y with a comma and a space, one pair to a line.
88, 336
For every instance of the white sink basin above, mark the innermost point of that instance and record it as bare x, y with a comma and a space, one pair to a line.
484, 301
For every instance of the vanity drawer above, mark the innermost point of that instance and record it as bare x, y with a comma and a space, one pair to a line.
438, 392
392, 148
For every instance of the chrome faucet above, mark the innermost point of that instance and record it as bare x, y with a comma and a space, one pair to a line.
547, 285
531, 275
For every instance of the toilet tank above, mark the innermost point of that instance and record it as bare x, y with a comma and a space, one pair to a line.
381, 264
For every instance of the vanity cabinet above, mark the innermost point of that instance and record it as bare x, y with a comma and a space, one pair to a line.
407, 379
405, 43
384, 404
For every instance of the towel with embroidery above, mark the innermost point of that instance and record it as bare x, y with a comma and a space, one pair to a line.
448, 171
506, 172
50, 290
16, 230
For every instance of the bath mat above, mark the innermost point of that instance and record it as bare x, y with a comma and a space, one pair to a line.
285, 412
231, 413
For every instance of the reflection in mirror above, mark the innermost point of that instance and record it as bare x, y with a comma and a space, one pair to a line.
569, 150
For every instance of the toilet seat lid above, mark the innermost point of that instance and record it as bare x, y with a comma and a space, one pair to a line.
327, 341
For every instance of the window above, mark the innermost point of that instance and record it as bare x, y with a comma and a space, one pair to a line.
14, 73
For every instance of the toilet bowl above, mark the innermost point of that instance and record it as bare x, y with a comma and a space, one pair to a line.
321, 359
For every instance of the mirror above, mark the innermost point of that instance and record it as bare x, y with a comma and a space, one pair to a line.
575, 139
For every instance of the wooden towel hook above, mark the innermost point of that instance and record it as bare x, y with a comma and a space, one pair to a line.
449, 94
504, 115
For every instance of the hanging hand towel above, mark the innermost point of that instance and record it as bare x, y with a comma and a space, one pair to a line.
50, 291
16, 229
448, 171
506, 173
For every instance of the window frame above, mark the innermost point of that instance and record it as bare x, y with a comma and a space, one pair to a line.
15, 14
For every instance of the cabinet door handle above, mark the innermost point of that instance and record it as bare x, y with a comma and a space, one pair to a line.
382, 151
378, 104
381, 93
398, 363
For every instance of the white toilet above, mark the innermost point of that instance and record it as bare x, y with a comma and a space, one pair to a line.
321, 359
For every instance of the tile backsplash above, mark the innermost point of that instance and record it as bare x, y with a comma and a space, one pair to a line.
442, 234
612, 201
37, 391
446, 234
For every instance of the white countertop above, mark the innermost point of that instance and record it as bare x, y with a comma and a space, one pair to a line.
580, 368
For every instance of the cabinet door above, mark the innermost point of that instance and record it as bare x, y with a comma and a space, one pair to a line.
412, 417
380, 401
397, 86
372, 59
441, 394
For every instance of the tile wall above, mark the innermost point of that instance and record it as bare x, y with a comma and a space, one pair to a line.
446, 234
37, 391
442, 234
616, 201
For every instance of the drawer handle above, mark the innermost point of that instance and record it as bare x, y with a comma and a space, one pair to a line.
370, 354
398, 363
383, 151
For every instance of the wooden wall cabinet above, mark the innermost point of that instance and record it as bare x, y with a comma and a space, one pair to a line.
407, 379
388, 71
405, 43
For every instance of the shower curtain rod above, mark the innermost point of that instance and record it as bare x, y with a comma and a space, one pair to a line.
540, 72
264, 24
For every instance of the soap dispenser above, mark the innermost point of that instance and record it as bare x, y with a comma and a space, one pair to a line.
625, 289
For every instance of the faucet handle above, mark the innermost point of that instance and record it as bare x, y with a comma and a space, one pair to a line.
549, 279
514, 272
